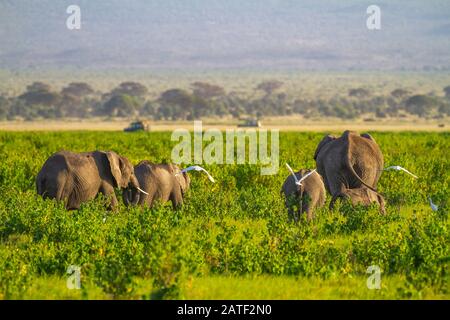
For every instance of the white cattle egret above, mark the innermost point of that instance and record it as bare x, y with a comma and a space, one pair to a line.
432, 205
299, 182
398, 168
307, 175
197, 168
292, 172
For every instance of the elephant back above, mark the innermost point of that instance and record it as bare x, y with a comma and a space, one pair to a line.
365, 157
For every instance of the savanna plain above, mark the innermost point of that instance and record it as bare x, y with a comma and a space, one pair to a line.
231, 239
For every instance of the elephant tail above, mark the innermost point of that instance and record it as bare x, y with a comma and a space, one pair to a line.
352, 170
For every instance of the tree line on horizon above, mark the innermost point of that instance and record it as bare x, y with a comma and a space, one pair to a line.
203, 99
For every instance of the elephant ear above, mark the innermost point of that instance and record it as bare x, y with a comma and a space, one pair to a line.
187, 181
182, 178
368, 136
114, 163
324, 141
173, 169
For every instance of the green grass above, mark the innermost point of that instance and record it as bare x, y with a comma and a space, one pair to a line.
257, 287
232, 239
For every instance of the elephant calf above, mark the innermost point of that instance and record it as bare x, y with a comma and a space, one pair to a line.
309, 195
163, 182
362, 196
79, 177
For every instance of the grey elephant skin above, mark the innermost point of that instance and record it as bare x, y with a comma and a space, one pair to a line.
364, 196
162, 182
308, 196
79, 177
348, 162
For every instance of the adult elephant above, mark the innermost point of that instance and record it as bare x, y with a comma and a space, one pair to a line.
79, 177
161, 182
348, 162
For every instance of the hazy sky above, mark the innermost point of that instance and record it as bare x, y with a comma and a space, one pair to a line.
225, 34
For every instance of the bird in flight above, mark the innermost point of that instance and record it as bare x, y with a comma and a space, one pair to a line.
398, 168
197, 168
299, 182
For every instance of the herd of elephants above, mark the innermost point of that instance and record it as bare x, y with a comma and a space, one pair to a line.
348, 167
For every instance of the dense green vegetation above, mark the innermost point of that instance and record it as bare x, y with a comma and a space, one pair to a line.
202, 99
235, 231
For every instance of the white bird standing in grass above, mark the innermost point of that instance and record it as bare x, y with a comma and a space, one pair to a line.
197, 168
432, 205
398, 168
299, 182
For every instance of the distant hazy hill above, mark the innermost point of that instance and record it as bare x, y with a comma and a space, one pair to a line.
320, 35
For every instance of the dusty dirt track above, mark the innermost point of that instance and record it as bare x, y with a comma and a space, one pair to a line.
164, 126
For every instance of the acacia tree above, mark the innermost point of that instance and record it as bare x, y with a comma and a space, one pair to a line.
130, 88
180, 104
121, 105
400, 93
269, 86
77, 89
175, 104
359, 93
447, 92
420, 105
75, 101
207, 91
38, 86
39, 93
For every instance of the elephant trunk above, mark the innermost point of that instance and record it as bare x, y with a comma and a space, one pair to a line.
132, 194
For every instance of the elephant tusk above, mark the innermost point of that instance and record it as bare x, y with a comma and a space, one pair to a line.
140, 190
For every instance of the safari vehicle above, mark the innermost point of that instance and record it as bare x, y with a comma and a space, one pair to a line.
250, 123
138, 126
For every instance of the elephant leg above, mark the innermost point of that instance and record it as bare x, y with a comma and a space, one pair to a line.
296, 215
176, 198
145, 200
338, 189
334, 199
113, 202
72, 203
108, 192
290, 209
309, 212
291, 214
382, 205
